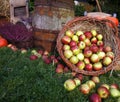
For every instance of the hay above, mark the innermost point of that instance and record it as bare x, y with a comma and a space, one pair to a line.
5, 8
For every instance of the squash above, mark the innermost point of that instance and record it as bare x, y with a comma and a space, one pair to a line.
3, 42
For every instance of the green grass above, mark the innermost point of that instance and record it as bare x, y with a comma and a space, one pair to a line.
23, 80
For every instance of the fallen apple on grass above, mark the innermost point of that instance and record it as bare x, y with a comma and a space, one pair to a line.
84, 88
69, 85
94, 97
96, 79
114, 92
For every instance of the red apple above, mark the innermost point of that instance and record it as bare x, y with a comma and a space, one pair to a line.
68, 53
95, 79
97, 66
80, 56
99, 37
87, 53
94, 32
107, 61
72, 43
66, 69
47, 60
66, 39
59, 68
69, 85
94, 40
82, 37
84, 88
94, 58
114, 85
40, 51
69, 33
103, 92
88, 34
33, 57
66, 47
81, 45
75, 50
89, 67
79, 76
80, 65
105, 85
94, 48
94, 97
107, 49
74, 60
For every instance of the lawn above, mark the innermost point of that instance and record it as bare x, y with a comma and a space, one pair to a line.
25, 80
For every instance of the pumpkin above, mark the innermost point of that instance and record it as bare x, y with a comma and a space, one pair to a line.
3, 42
113, 19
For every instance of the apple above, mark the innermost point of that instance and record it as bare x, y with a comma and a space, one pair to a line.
68, 53
114, 85
46, 53
94, 32
101, 54
69, 85
94, 40
79, 76
100, 43
87, 53
103, 92
99, 37
82, 37
97, 66
91, 84
75, 38
47, 60
80, 56
66, 47
33, 57
66, 69
106, 85
114, 92
88, 34
79, 32
86, 60
107, 49
84, 88
23, 50
34, 51
94, 48
40, 51
59, 68
110, 54
81, 45
95, 79
87, 42
74, 60
75, 50
77, 81
55, 61
94, 58
80, 65
94, 97
69, 33
89, 67
72, 43
66, 39
101, 48
107, 61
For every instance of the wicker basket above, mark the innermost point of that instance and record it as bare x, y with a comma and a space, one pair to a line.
110, 37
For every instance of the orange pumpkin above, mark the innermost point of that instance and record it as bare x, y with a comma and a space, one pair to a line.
3, 42
114, 20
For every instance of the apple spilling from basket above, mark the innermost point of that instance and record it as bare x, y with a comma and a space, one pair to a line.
102, 90
86, 50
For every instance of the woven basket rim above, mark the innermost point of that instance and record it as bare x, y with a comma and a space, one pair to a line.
72, 66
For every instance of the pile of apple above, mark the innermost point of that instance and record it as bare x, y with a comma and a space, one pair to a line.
86, 50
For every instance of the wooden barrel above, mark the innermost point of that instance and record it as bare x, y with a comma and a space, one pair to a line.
48, 19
